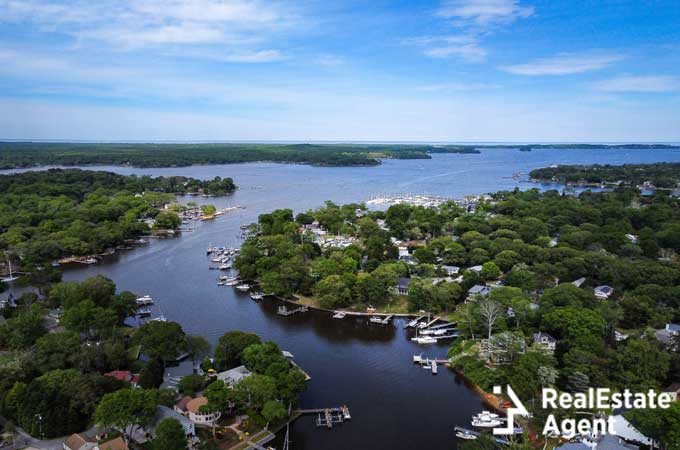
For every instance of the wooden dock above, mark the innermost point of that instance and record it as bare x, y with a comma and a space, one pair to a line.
284, 311
327, 417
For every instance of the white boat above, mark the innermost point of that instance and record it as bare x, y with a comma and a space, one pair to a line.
465, 435
376, 319
243, 287
486, 419
160, 318
144, 300
257, 296
339, 315
424, 340
412, 323
231, 282
226, 266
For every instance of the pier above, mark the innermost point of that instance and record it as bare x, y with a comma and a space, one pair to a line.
427, 363
327, 417
284, 311
381, 320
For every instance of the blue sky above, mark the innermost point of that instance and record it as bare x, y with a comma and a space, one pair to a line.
445, 70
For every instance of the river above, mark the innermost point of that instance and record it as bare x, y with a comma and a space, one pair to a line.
368, 367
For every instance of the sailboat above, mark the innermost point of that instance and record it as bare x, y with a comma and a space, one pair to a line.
11, 276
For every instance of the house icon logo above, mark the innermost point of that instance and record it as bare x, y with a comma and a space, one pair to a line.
517, 410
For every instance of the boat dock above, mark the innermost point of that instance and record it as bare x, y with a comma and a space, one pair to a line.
414, 323
381, 320
326, 417
284, 311
427, 363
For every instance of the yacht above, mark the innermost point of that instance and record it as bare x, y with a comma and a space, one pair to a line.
486, 420
160, 318
243, 287
257, 296
465, 434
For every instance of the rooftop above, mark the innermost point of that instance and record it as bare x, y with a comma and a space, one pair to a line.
195, 404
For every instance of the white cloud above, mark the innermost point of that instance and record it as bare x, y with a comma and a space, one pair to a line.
641, 84
236, 27
564, 64
484, 13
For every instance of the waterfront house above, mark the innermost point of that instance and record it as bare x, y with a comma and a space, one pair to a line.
604, 291
451, 270
478, 290
163, 412
201, 417
402, 286
545, 341
124, 375
579, 282
233, 376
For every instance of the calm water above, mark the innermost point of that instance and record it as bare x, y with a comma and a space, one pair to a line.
394, 404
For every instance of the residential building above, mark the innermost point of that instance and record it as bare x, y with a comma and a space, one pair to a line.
198, 416
478, 290
402, 286
603, 291
114, 444
674, 390
79, 442
451, 270
579, 282
124, 375
163, 412
233, 376
545, 341
477, 269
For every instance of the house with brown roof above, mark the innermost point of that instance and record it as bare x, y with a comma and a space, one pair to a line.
114, 444
124, 375
181, 405
201, 417
79, 442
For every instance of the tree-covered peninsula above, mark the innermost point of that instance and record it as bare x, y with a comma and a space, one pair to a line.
23, 154
70, 363
547, 289
656, 175
45, 215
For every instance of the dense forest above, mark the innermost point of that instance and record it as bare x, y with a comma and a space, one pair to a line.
541, 255
55, 380
17, 154
660, 175
45, 215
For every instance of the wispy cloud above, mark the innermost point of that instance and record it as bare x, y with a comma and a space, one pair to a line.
564, 64
484, 13
640, 84
330, 60
472, 19
463, 46
239, 28
456, 86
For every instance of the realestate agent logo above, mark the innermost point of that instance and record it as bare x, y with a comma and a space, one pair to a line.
517, 410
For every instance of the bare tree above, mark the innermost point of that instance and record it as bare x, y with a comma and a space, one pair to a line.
490, 311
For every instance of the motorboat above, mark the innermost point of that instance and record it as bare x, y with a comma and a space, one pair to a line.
243, 287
